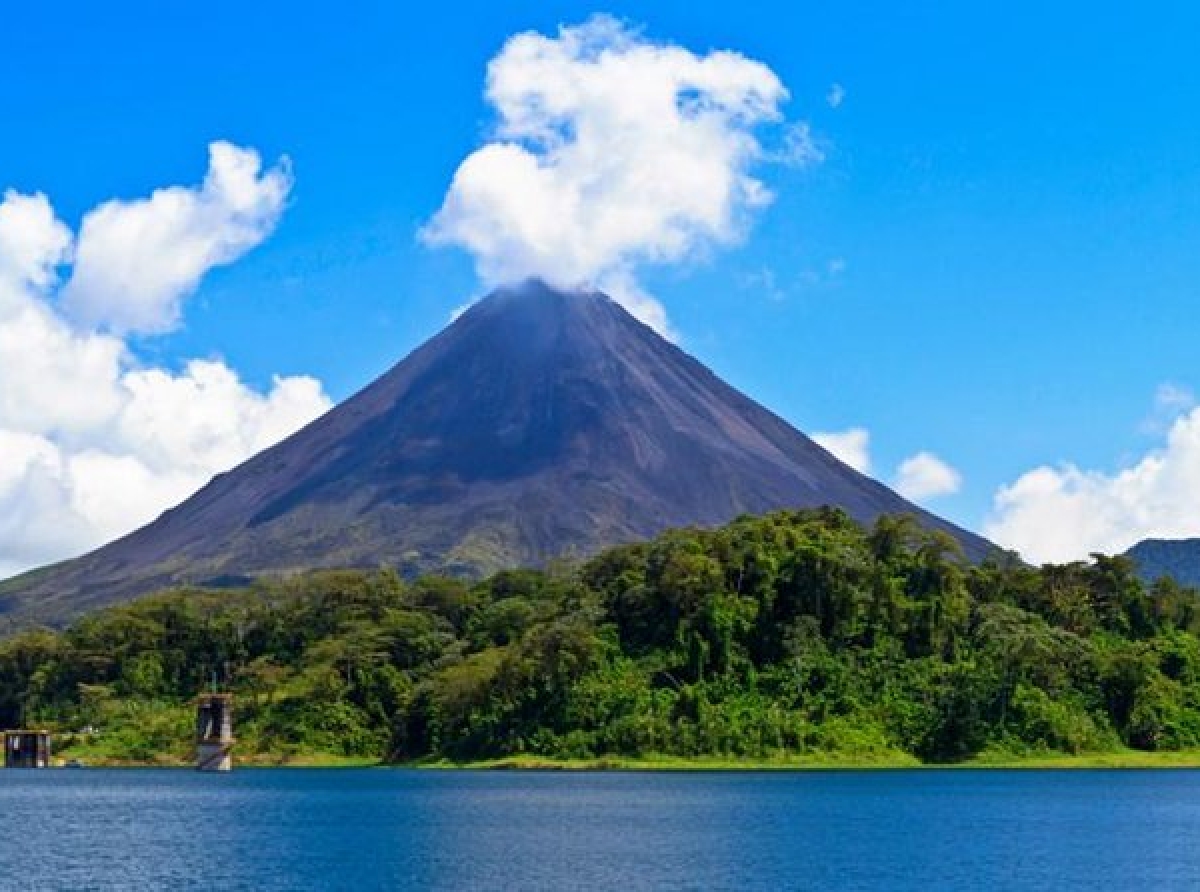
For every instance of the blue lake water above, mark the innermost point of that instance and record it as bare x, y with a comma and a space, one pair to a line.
394, 829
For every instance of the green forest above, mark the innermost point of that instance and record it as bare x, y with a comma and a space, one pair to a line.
791, 638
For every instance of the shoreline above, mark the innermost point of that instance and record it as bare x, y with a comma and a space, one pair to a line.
1129, 760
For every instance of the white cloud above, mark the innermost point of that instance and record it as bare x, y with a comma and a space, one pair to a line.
1175, 398
136, 261
93, 444
836, 96
853, 447
611, 152
36, 523
1170, 401
919, 477
206, 419
764, 281
925, 476
32, 241
800, 148
1064, 513
56, 380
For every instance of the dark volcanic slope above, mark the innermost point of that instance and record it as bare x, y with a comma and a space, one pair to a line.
1177, 558
540, 423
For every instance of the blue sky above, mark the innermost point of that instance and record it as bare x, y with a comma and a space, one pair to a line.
996, 262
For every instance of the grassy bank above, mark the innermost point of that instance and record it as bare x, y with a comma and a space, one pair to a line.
1122, 759
1128, 759
96, 752
101, 757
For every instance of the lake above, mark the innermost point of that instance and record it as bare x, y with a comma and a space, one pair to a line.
362, 829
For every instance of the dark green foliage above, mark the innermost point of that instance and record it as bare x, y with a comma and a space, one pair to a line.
797, 632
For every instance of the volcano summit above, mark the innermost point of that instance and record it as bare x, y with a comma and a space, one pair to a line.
540, 423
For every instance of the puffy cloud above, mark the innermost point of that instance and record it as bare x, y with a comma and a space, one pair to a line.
612, 151
1064, 513
94, 444
32, 243
925, 476
852, 447
56, 380
836, 96
136, 261
206, 419
919, 477
169, 436
36, 523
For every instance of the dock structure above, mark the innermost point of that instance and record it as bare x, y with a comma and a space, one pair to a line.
214, 732
26, 749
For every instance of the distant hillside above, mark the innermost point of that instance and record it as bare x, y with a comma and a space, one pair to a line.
541, 423
1177, 558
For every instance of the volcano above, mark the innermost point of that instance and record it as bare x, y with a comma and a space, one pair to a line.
541, 423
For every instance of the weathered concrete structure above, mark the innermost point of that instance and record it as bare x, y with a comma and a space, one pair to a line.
26, 749
214, 732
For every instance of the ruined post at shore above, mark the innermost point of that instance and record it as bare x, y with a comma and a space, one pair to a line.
214, 732
26, 749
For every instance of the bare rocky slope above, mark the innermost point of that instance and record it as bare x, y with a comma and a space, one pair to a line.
539, 424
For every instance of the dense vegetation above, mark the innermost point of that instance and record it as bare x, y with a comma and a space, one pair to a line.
797, 634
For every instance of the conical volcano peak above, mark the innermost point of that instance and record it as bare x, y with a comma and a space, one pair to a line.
542, 422
539, 295
534, 307
536, 323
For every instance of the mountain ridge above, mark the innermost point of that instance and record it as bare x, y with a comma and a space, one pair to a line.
1176, 558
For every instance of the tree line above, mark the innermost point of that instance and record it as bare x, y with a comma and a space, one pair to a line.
789, 634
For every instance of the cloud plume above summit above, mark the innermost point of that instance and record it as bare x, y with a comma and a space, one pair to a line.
610, 152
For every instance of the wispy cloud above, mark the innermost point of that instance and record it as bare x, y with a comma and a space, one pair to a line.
766, 281
1170, 401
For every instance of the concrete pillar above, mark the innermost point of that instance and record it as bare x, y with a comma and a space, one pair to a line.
214, 732
26, 749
